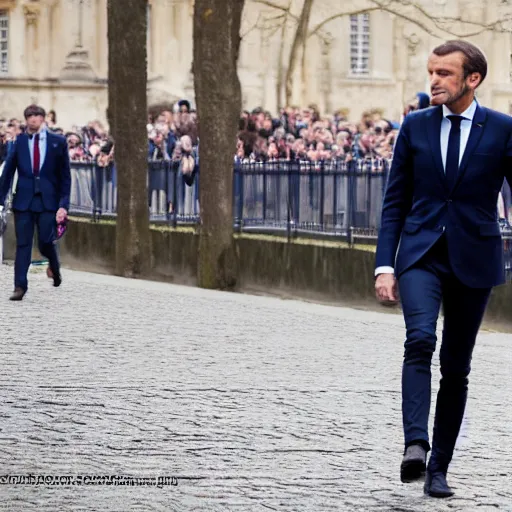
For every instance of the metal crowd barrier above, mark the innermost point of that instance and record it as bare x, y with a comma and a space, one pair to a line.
327, 199
171, 199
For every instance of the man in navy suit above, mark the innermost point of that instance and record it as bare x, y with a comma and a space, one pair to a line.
42, 194
440, 242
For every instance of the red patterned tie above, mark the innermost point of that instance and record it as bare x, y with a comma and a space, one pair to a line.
36, 155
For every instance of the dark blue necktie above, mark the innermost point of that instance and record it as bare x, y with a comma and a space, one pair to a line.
453, 153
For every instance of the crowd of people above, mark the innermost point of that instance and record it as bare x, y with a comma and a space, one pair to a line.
90, 143
305, 135
296, 133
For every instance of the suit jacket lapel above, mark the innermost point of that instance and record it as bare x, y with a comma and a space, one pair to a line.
48, 145
26, 151
477, 129
434, 138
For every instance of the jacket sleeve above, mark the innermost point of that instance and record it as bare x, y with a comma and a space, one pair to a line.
65, 179
508, 164
397, 199
10, 166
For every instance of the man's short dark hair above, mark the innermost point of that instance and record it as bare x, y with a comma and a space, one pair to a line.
474, 59
34, 110
184, 103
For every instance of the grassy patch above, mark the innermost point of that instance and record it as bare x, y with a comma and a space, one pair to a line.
252, 236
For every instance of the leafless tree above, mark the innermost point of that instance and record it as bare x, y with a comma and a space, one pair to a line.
216, 36
408, 10
127, 118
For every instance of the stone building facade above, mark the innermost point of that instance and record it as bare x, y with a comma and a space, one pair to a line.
54, 52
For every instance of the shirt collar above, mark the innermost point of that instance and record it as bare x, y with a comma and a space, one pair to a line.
468, 114
42, 133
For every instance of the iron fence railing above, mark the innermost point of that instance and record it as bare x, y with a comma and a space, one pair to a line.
328, 199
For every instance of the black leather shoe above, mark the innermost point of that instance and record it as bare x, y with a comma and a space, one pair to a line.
17, 294
413, 464
55, 275
57, 278
436, 485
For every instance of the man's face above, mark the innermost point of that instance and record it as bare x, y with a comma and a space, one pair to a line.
73, 141
299, 146
34, 123
447, 82
168, 116
184, 117
163, 129
11, 132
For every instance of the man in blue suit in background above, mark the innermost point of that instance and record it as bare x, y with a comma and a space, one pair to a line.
42, 194
440, 242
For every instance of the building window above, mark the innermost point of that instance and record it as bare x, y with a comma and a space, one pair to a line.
4, 42
360, 44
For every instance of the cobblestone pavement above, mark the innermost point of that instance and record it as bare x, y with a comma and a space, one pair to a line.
253, 403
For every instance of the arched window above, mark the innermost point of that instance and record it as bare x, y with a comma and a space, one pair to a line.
360, 44
4, 42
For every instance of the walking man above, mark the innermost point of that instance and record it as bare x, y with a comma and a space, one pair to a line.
42, 194
440, 242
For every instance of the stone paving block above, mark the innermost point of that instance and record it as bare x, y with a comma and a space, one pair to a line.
253, 403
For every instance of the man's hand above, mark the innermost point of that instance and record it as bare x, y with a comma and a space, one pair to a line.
386, 288
62, 215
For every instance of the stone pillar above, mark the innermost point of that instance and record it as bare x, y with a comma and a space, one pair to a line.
171, 48
32, 11
381, 45
161, 33
326, 75
100, 40
157, 40
416, 62
77, 66
49, 36
187, 14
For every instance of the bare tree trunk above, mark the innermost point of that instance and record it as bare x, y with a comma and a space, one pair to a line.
300, 36
127, 115
219, 102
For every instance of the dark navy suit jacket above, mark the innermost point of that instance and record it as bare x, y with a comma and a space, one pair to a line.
54, 175
419, 207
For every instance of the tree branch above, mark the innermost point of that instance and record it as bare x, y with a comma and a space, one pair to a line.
253, 27
437, 21
319, 27
271, 4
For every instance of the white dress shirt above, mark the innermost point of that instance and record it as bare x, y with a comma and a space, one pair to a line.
465, 128
42, 148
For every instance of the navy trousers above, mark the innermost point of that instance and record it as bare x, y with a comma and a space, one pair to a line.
24, 224
423, 288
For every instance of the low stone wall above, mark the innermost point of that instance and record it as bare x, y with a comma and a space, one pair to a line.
321, 271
